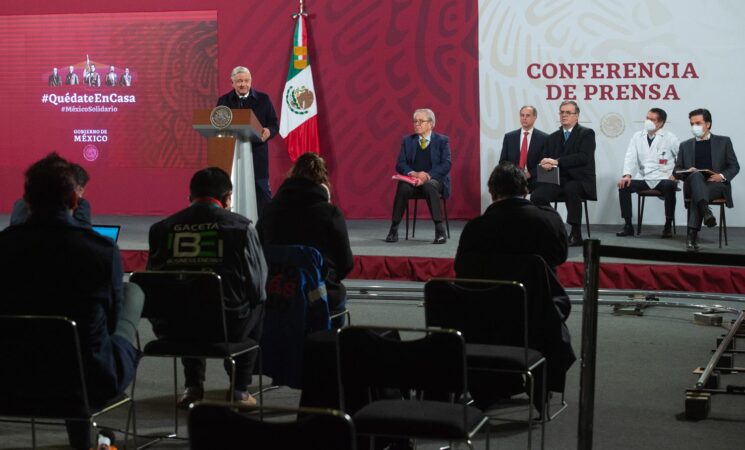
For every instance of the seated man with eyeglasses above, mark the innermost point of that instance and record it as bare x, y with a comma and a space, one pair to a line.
425, 157
571, 149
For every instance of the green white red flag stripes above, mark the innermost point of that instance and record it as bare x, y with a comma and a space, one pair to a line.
298, 119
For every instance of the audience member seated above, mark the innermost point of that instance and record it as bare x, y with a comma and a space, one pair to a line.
302, 214
424, 156
714, 155
571, 149
513, 225
649, 163
81, 213
206, 236
51, 265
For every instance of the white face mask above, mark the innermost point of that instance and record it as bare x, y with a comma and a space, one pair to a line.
697, 130
649, 126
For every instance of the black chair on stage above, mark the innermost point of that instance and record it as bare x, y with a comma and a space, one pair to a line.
419, 195
562, 199
641, 200
371, 362
493, 317
191, 304
43, 375
221, 425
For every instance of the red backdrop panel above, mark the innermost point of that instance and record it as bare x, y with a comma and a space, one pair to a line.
373, 63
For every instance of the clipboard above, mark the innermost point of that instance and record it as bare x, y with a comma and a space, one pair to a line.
548, 176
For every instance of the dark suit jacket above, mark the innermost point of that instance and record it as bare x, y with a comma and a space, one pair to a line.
262, 106
440, 148
723, 160
511, 149
576, 157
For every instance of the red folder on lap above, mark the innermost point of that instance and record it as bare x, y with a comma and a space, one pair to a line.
405, 179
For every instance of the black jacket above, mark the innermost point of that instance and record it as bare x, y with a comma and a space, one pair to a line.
511, 150
262, 106
300, 214
576, 157
207, 237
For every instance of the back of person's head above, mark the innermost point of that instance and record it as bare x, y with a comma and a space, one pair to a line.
211, 182
311, 167
50, 185
507, 180
81, 176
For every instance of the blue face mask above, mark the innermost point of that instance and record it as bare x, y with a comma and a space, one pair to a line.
697, 130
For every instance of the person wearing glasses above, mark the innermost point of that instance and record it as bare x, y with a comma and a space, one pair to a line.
571, 149
425, 158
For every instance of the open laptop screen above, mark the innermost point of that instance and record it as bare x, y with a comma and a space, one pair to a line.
110, 231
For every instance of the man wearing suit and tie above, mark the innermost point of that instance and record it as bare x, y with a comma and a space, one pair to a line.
571, 148
705, 151
424, 155
522, 147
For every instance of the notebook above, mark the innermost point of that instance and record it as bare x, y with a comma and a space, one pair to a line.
110, 231
548, 176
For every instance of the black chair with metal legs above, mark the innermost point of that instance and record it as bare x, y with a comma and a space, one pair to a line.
493, 317
433, 364
418, 195
561, 199
192, 306
221, 426
641, 200
43, 375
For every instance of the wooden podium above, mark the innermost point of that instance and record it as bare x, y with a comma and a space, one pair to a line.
230, 149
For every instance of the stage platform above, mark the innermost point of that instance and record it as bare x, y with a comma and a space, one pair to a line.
417, 259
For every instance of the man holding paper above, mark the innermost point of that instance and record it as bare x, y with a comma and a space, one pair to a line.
571, 150
707, 163
425, 157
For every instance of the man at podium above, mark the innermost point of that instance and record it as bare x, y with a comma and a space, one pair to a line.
244, 97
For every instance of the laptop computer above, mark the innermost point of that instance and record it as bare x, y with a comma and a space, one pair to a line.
110, 231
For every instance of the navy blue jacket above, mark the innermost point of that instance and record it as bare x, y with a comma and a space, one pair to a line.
440, 151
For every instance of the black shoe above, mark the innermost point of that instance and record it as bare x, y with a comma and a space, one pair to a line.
575, 241
692, 241
667, 232
709, 219
628, 230
440, 238
191, 394
392, 235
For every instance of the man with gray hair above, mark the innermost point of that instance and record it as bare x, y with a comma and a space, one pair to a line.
425, 159
244, 97
522, 147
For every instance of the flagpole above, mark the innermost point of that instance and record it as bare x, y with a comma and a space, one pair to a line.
302, 11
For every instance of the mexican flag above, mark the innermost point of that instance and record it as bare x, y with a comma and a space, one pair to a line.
298, 122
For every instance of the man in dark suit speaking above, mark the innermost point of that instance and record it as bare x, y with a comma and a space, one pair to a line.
705, 151
244, 97
571, 148
522, 147
424, 156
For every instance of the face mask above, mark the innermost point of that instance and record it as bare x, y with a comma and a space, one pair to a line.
697, 130
649, 126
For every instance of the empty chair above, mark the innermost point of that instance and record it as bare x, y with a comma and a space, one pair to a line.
372, 361
222, 426
493, 317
